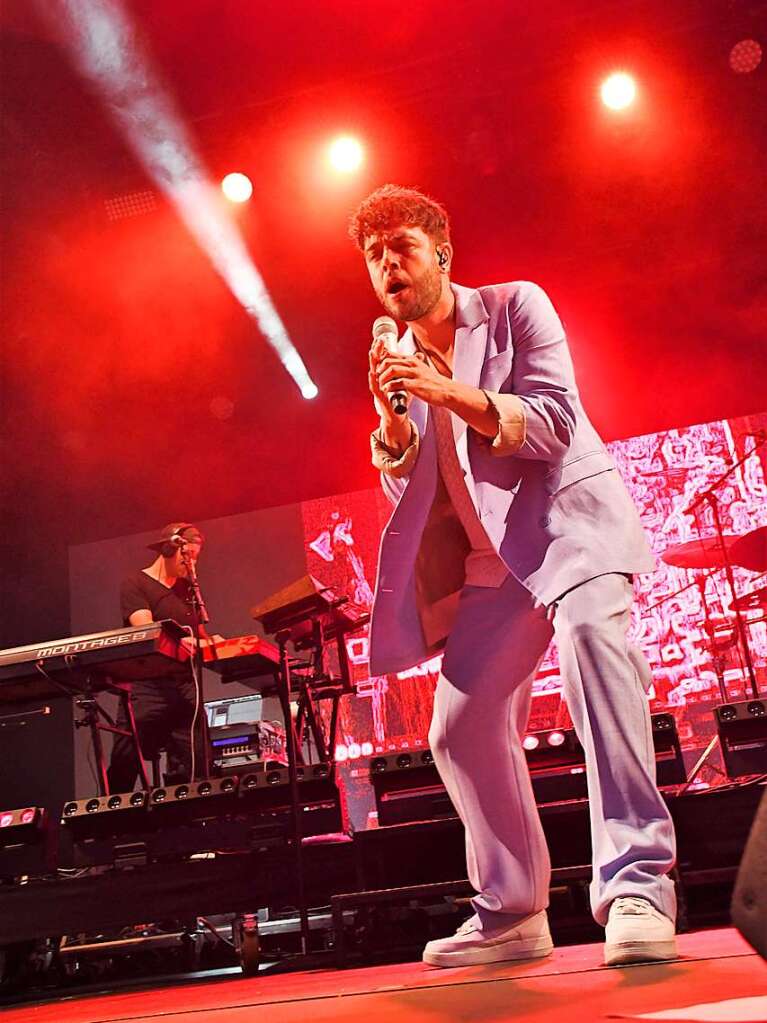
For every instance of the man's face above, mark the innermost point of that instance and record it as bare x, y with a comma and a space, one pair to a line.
190, 551
403, 268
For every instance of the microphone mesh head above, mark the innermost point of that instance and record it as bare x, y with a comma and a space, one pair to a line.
384, 325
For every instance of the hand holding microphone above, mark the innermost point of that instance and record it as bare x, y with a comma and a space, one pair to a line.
385, 332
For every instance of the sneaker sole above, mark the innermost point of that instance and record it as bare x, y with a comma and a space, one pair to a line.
640, 952
504, 951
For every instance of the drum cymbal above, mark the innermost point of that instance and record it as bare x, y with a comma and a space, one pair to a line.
753, 601
750, 551
705, 553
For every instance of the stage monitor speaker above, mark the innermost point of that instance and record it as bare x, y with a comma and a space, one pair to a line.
742, 729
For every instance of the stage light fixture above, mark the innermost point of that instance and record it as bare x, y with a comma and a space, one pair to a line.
553, 748
745, 56
103, 804
130, 204
23, 846
346, 154
618, 91
29, 815
237, 187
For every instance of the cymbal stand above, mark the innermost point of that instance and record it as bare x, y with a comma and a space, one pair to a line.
700, 582
740, 624
668, 596
709, 497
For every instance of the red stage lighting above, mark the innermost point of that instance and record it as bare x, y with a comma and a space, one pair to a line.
618, 91
237, 187
346, 154
555, 738
530, 742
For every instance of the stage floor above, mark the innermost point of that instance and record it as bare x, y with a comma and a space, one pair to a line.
717, 966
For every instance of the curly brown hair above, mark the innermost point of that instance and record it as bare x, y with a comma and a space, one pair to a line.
391, 205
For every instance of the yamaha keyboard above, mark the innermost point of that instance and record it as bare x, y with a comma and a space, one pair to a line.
53, 668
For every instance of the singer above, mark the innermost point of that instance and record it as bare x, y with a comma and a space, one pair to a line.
511, 526
164, 711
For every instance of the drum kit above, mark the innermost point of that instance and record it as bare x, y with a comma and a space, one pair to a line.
726, 636
725, 551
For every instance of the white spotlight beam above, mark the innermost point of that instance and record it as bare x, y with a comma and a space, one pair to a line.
104, 46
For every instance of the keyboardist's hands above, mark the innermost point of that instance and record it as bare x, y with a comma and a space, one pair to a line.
189, 643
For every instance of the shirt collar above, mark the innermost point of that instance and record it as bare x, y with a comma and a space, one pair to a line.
469, 308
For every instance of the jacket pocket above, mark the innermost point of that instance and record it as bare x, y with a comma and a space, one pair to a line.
575, 469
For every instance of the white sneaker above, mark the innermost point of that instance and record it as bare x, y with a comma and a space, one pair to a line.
637, 932
470, 946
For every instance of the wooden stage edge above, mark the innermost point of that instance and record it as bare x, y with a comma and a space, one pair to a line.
716, 966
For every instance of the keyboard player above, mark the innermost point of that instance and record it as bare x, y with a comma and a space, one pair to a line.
164, 710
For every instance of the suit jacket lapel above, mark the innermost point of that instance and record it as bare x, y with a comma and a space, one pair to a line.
471, 320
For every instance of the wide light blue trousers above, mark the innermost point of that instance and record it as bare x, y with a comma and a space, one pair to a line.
481, 709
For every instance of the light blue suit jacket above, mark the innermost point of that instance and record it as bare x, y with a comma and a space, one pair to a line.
555, 509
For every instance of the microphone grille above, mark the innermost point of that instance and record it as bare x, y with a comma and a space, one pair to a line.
384, 325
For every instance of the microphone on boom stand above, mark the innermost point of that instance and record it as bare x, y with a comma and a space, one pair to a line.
197, 598
200, 617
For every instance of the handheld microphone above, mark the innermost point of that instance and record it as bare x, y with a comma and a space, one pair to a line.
385, 329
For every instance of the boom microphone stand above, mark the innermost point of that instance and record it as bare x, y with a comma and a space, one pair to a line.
200, 617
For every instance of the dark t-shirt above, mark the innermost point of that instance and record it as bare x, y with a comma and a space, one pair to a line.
140, 591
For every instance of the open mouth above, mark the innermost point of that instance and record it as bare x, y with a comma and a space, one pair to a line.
396, 287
